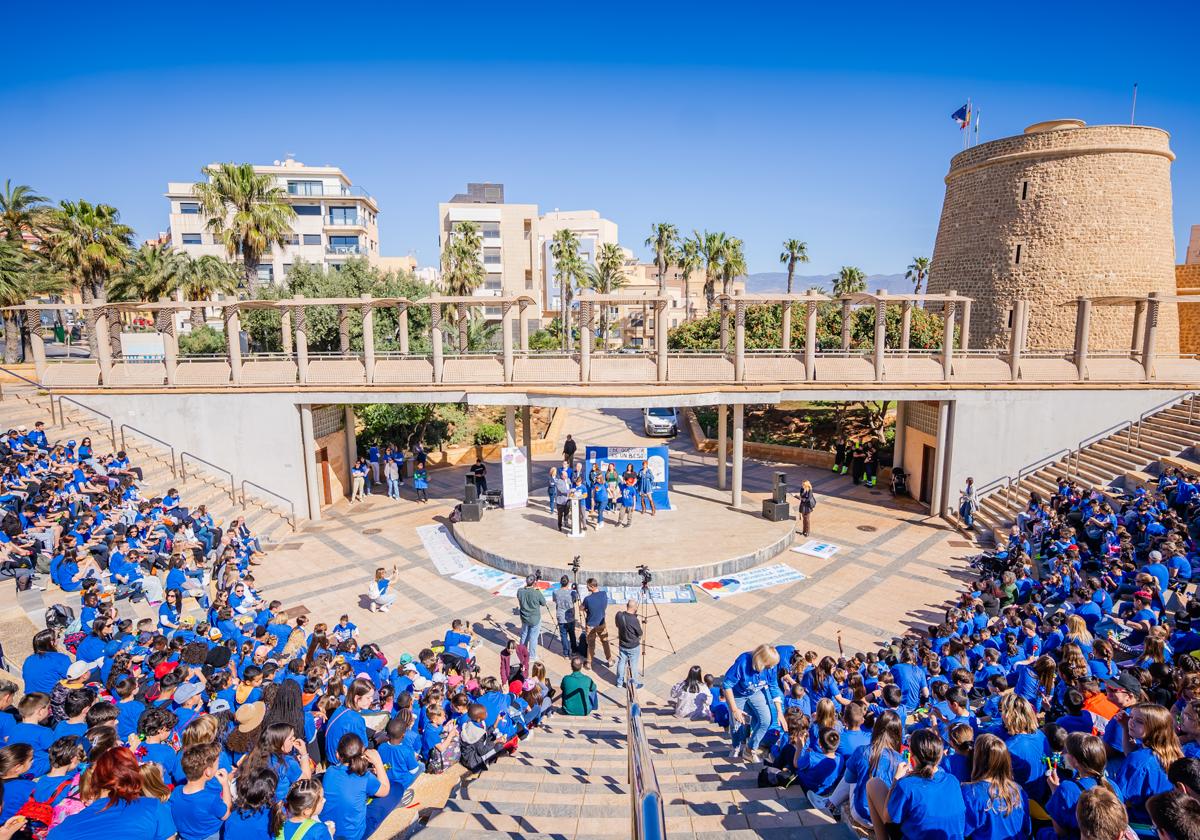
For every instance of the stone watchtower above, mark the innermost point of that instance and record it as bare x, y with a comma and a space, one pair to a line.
1060, 211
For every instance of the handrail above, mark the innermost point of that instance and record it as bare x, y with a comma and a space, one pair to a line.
290, 503
62, 422
1127, 426
23, 379
647, 816
1163, 406
195, 457
149, 436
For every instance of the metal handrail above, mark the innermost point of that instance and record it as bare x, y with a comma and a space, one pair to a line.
647, 816
1163, 406
149, 436
183, 471
1034, 467
1111, 431
290, 503
62, 422
18, 376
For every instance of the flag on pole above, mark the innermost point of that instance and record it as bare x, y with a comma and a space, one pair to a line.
963, 115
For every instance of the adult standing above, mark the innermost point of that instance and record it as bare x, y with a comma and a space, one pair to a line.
750, 686
562, 495
552, 490
806, 501
566, 599
374, 461
391, 472
569, 447
594, 607
858, 461
967, 503
871, 464
628, 498
629, 642
645, 486
530, 602
479, 474
358, 480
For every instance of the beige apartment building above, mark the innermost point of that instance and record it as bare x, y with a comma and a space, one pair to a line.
335, 221
687, 301
592, 231
510, 240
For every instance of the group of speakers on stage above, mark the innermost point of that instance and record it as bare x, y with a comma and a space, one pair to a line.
600, 490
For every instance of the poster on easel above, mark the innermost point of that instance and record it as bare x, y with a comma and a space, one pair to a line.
514, 477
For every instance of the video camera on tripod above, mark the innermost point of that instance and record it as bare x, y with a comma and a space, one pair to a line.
646, 575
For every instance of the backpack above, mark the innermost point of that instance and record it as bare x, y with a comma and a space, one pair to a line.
436, 763
59, 616
42, 813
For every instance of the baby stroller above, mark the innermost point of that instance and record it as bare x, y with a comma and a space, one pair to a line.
899, 481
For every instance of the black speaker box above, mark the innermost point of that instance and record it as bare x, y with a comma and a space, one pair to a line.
776, 511
472, 511
470, 493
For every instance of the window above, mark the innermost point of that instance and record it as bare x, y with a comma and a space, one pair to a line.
491, 256
189, 208
1017, 256
343, 216
1024, 190
192, 239
266, 272
343, 245
493, 285
304, 188
312, 239
490, 230
291, 239
287, 269
307, 209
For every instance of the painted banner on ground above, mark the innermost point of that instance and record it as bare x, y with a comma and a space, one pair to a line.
442, 549
816, 548
485, 577
658, 458
750, 580
515, 476
682, 594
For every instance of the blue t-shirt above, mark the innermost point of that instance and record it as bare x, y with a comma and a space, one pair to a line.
145, 818
42, 671
343, 722
400, 763
1140, 777
1029, 768
1061, 806
594, 606
249, 825
317, 830
38, 737
986, 819
857, 771
288, 771
197, 816
744, 681
16, 794
817, 771
910, 679
928, 809
346, 801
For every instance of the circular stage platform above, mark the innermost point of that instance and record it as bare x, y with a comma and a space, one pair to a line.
701, 537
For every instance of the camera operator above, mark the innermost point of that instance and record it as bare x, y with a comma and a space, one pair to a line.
566, 599
594, 607
629, 642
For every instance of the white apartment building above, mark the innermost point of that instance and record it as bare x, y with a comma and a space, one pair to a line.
510, 240
590, 229
335, 220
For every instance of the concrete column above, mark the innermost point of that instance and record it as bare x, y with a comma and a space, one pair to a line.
964, 329
585, 341
1016, 339
523, 327
660, 340
343, 313
939, 460
880, 332
308, 452
402, 319
1139, 329
739, 341
948, 503
722, 445
786, 343
645, 325
1151, 335
301, 320
164, 323
723, 322
233, 338
527, 442
285, 328
1083, 324
510, 425
506, 342
37, 344
351, 435
435, 339
846, 325
898, 446
810, 342
738, 422
368, 329
948, 339
102, 345
906, 325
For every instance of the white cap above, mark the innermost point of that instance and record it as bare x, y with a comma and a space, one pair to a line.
79, 668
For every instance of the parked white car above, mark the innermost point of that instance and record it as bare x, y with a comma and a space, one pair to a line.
660, 422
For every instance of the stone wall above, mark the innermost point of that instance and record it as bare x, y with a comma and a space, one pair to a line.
1187, 281
1088, 208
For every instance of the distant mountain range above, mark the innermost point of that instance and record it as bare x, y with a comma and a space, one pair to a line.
776, 281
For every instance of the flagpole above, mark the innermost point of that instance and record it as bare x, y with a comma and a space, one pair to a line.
1133, 108
978, 117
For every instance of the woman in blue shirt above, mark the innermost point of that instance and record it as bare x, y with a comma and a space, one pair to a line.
877, 760
348, 719
120, 809
1151, 746
996, 807
358, 776
1026, 745
1086, 757
925, 801
749, 688
169, 612
46, 666
251, 810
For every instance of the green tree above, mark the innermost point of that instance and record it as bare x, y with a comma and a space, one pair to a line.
203, 278
202, 341
247, 212
150, 274
462, 272
664, 239
22, 277
23, 213
794, 251
850, 280
711, 247
918, 270
604, 278
690, 261
733, 264
568, 269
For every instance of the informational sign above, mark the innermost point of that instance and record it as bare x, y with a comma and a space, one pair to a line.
816, 548
682, 594
514, 477
750, 580
657, 458
442, 549
142, 347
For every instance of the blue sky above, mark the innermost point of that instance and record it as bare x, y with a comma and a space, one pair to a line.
827, 123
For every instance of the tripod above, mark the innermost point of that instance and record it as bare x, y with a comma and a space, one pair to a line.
647, 607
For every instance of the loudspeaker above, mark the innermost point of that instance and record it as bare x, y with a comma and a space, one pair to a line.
470, 492
776, 511
472, 511
780, 489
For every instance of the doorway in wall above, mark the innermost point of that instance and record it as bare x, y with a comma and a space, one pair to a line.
323, 474
927, 467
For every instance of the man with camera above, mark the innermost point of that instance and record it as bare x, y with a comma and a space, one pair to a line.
629, 642
566, 599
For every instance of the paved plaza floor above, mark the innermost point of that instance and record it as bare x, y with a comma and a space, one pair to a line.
895, 569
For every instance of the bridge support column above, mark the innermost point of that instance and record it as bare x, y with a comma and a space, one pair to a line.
435, 339
1083, 324
368, 330
1139, 329
724, 324
402, 318
233, 339
948, 338
810, 341
880, 332
527, 442
585, 341
308, 452
285, 329
164, 323
739, 341
964, 327
1016, 339
898, 444
506, 342
939, 460
300, 317
510, 425
1151, 336
905, 325
722, 446
351, 435
343, 313
660, 340
102, 345
37, 344
523, 326
738, 422
786, 342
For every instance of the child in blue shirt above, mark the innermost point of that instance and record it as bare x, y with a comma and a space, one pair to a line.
199, 811
820, 769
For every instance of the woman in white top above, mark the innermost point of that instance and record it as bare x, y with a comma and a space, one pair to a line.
692, 697
381, 593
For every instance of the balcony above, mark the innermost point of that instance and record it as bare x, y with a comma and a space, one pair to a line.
345, 250
356, 221
305, 190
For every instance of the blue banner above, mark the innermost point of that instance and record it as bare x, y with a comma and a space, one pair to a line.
620, 456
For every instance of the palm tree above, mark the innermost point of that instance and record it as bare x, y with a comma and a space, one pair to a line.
690, 261
22, 277
918, 270
604, 278
794, 251
462, 271
202, 278
568, 268
712, 250
664, 239
850, 280
22, 213
247, 212
733, 263
151, 273
481, 333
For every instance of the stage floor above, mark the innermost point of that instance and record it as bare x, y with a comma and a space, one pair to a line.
702, 537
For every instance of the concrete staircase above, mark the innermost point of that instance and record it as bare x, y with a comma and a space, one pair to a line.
1133, 455
571, 782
